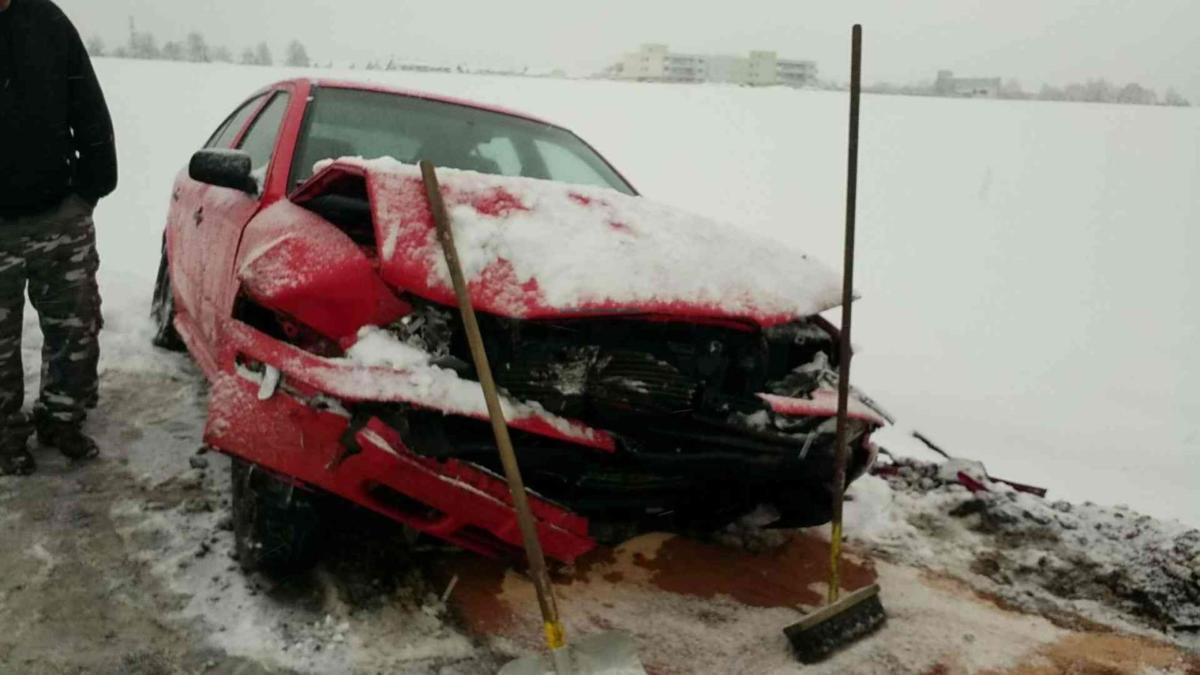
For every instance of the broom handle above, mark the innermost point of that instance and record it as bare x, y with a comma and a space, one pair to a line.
838, 488
555, 636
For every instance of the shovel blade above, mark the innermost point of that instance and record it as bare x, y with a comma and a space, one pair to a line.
610, 652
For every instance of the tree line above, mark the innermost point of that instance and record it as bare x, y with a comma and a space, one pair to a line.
1097, 90
195, 48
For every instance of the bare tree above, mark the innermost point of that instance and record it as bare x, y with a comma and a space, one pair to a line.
95, 46
143, 46
1136, 94
297, 55
1172, 97
221, 55
262, 55
197, 48
1012, 89
172, 51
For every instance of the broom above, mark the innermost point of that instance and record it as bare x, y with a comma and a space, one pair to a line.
844, 620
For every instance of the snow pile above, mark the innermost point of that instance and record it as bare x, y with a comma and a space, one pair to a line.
1108, 565
377, 347
576, 247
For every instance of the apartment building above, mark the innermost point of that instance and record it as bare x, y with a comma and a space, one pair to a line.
656, 63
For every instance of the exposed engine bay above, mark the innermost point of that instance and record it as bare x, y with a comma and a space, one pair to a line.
681, 399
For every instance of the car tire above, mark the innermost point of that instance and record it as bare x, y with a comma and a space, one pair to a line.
276, 525
162, 309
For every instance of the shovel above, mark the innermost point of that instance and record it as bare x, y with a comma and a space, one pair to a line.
608, 652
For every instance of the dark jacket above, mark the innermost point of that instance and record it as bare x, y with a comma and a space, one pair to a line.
56, 135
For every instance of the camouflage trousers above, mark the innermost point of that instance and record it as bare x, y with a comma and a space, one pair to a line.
55, 254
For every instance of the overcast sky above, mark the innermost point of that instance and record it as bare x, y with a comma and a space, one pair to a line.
1154, 42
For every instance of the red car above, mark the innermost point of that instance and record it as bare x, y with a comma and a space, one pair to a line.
660, 371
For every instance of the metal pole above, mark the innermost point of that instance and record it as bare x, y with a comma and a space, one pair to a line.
555, 636
838, 487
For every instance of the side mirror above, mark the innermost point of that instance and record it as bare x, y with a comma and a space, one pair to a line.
223, 168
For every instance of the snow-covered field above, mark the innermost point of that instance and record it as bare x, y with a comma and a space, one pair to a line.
1026, 302
1029, 297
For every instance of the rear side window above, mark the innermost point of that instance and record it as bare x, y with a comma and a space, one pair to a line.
223, 137
259, 141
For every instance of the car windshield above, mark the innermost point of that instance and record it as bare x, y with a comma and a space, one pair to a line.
355, 123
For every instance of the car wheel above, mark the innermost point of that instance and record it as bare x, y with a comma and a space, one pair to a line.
276, 526
162, 309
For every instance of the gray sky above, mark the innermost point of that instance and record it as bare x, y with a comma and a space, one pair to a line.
1154, 42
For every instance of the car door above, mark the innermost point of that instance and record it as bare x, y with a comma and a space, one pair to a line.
185, 246
226, 212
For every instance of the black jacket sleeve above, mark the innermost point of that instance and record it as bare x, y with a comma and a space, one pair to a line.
91, 125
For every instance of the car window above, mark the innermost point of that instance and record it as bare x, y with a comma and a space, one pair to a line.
224, 136
503, 153
565, 165
355, 123
259, 141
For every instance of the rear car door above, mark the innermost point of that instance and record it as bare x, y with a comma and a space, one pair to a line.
227, 211
185, 248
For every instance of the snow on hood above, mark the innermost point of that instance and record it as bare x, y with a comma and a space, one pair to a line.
535, 248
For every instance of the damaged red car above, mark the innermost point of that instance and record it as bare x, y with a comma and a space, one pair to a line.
659, 371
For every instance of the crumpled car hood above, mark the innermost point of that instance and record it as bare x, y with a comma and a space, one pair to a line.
537, 249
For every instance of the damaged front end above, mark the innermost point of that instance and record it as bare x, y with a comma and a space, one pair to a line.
627, 416
709, 420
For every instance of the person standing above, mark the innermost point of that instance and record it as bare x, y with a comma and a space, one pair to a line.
57, 160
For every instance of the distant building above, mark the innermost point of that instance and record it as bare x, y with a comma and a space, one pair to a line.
656, 63
949, 85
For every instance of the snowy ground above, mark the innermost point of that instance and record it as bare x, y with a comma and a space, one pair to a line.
1026, 268
1027, 301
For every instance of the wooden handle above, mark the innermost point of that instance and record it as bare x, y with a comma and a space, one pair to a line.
838, 486
553, 629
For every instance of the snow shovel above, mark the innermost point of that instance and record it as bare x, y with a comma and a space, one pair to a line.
844, 620
608, 652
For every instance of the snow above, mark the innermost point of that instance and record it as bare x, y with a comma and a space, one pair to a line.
245, 623
435, 387
587, 247
1028, 301
1025, 268
1052, 557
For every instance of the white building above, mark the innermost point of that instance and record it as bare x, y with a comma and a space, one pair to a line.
949, 85
656, 63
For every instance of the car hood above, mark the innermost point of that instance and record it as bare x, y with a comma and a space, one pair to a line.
538, 249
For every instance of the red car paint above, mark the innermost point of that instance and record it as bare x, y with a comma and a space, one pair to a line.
400, 207
223, 244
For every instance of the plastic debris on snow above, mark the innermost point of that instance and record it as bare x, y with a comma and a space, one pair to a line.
1108, 565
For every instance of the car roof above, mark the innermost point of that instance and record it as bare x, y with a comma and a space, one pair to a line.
414, 93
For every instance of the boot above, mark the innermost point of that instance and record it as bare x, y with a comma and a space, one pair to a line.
69, 439
15, 459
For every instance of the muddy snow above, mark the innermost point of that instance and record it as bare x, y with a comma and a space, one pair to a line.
971, 330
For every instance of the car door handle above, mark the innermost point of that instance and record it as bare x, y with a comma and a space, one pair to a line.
175, 195
198, 216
